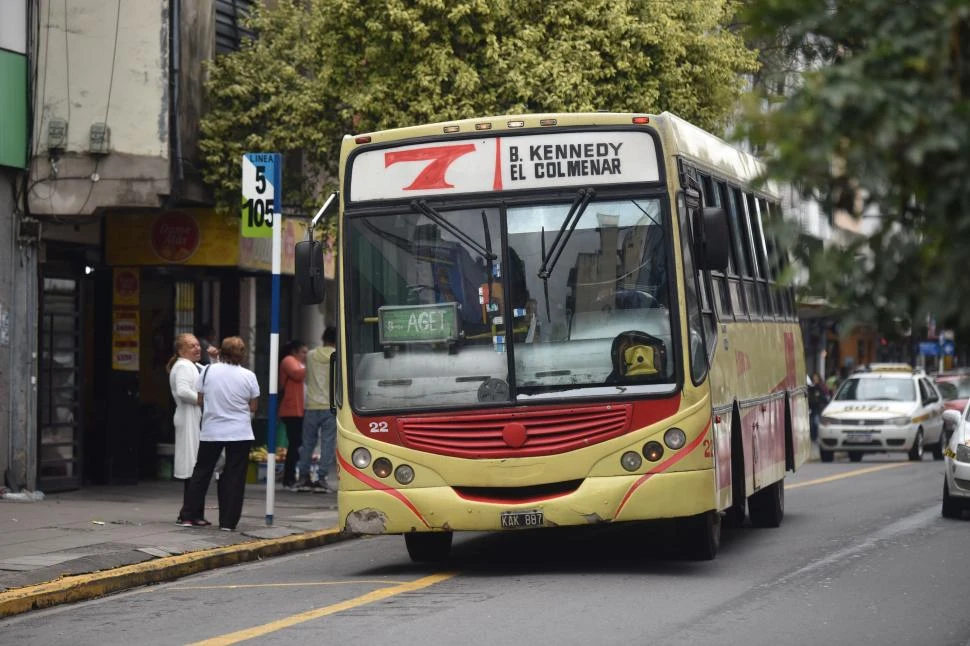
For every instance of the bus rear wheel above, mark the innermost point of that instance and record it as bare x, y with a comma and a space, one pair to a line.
701, 535
428, 547
767, 507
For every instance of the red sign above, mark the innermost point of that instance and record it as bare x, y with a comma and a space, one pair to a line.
175, 236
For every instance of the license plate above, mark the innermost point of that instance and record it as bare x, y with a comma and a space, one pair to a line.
860, 438
521, 519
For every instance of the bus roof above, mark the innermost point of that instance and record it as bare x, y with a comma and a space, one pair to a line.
681, 137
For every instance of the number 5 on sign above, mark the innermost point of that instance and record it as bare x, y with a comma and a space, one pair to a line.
260, 186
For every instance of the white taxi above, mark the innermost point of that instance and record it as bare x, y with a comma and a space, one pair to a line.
883, 408
956, 472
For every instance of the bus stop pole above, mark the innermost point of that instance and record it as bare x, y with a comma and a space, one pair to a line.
274, 343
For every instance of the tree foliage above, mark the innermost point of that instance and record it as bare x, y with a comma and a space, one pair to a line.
879, 129
320, 69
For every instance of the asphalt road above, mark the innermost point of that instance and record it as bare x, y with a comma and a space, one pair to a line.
863, 557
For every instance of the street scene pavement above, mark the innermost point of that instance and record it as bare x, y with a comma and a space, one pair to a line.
65, 537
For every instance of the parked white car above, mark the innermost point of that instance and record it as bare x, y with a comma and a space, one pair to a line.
956, 472
889, 408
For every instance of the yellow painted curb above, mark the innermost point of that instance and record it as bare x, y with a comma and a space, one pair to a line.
96, 584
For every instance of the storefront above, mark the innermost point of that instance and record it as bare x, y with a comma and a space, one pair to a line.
167, 273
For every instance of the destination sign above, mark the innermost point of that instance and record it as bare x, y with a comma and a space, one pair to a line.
418, 323
504, 163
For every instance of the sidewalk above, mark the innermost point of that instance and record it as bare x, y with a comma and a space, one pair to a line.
101, 539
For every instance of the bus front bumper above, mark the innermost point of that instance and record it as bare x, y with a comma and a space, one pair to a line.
596, 500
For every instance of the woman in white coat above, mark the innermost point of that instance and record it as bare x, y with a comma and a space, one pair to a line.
183, 369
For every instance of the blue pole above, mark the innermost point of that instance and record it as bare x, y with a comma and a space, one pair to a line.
274, 337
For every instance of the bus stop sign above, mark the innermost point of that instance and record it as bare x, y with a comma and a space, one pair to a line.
261, 179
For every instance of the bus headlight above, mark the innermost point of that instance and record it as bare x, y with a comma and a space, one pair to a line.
404, 474
631, 461
360, 457
382, 467
675, 438
653, 451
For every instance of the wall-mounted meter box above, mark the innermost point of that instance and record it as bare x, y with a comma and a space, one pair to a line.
99, 139
57, 134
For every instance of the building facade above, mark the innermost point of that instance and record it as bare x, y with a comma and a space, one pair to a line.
131, 252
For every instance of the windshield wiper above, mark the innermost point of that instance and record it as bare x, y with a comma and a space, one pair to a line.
423, 207
565, 231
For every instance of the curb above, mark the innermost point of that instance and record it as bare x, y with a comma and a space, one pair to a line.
98, 584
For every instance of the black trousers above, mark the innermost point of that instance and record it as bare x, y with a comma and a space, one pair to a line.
232, 482
294, 438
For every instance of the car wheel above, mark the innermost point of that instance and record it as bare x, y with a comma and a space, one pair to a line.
826, 456
916, 453
855, 456
767, 507
952, 508
428, 547
701, 535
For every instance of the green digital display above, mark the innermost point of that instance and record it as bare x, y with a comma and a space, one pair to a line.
418, 323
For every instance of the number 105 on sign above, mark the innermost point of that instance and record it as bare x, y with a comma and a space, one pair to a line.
258, 213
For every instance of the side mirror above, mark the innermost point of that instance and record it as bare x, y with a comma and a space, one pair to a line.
712, 241
951, 418
308, 267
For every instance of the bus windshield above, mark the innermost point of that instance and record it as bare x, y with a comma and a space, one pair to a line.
436, 313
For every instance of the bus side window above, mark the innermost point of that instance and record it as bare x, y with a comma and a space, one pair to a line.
699, 325
736, 267
761, 253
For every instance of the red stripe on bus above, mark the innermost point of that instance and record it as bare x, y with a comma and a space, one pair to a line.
380, 486
497, 185
663, 466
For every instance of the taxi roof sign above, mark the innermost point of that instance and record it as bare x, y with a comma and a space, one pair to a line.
889, 367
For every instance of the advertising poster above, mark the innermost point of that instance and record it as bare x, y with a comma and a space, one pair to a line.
124, 319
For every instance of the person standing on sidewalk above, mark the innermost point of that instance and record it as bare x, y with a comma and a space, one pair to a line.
818, 399
183, 368
318, 422
230, 396
292, 374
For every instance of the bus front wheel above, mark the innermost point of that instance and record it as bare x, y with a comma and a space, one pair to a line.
428, 547
701, 535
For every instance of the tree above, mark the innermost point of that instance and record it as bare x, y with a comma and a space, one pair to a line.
319, 69
880, 129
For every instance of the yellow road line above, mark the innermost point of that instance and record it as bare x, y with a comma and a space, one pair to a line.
848, 474
277, 585
292, 620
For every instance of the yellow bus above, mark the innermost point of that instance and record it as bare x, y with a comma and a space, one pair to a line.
559, 320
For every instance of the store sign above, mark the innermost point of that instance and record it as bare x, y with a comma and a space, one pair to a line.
504, 163
190, 237
125, 322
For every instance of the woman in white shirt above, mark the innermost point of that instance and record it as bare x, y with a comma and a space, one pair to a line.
183, 369
230, 395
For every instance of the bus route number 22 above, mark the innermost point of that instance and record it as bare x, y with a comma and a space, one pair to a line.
379, 427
